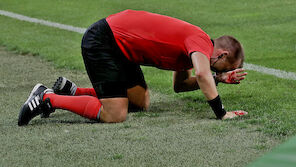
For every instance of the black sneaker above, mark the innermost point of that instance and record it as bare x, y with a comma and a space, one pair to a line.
34, 105
63, 86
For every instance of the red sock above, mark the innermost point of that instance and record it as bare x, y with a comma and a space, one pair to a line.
85, 91
86, 106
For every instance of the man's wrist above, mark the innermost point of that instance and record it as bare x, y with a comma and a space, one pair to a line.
217, 107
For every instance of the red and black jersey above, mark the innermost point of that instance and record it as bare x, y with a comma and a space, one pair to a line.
156, 40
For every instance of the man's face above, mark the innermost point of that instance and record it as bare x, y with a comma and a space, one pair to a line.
219, 62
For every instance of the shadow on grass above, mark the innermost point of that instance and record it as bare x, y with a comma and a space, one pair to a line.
72, 121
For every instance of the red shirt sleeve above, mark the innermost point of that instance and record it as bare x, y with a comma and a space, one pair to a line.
199, 43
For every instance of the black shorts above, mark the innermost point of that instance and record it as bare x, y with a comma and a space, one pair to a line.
110, 72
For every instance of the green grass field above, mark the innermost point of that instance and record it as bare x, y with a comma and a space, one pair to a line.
179, 129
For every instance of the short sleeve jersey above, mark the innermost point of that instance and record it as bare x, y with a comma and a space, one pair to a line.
157, 40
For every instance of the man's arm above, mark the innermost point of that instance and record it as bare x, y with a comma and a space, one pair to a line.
183, 81
207, 85
203, 75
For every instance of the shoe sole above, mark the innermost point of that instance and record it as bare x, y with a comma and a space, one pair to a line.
63, 83
60, 84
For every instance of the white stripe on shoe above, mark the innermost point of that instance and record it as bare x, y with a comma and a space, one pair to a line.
37, 100
30, 106
33, 102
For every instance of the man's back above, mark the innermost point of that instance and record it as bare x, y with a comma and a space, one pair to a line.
152, 39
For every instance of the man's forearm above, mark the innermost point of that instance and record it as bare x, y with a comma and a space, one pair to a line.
206, 83
207, 86
190, 84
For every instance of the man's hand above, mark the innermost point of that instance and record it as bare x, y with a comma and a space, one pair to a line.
231, 77
233, 114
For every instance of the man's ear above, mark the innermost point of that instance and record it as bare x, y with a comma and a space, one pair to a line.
225, 52
219, 52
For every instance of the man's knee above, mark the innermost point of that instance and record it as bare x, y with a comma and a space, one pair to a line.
120, 117
114, 116
114, 110
139, 97
146, 103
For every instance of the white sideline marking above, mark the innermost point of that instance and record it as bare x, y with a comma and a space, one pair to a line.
43, 22
271, 71
261, 69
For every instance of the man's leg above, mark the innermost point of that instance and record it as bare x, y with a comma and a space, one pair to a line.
85, 91
107, 110
139, 97
64, 86
114, 110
